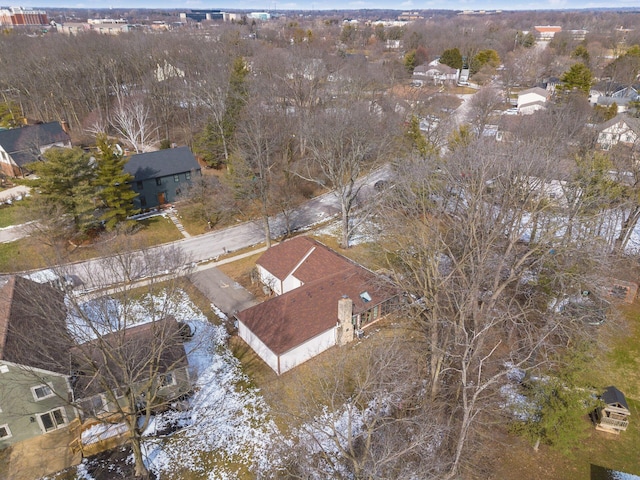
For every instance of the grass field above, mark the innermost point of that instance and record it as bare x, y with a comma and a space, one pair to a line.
617, 364
32, 252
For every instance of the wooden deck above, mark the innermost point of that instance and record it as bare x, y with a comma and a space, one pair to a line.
40, 456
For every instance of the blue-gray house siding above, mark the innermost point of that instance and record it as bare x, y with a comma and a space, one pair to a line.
159, 177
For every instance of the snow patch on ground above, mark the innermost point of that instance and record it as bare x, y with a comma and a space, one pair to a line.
227, 422
102, 431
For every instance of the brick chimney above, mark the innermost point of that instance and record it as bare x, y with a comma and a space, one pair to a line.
345, 328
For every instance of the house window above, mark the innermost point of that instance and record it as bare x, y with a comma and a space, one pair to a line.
176, 178
187, 175
143, 201
140, 185
42, 391
4, 432
158, 181
365, 297
167, 380
53, 420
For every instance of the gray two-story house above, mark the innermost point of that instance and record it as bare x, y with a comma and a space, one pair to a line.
35, 393
160, 177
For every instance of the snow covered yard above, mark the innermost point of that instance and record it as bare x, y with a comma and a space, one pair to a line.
223, 434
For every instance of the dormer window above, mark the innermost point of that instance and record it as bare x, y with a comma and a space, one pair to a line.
365, 297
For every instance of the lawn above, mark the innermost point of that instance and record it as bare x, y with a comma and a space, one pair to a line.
617, 364
13, 214
31, 253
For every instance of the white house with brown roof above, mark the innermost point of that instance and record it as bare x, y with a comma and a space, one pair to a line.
322, 299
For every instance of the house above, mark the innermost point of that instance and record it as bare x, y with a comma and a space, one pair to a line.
621, 129
102, 384
621, 97
21, 146
532, 100
322, 299
55, 388
159, 177
34, 390
438, 74
613, 417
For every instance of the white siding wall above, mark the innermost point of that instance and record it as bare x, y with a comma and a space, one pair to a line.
530, 98
256, 344
307, 350
269, 279
290, 283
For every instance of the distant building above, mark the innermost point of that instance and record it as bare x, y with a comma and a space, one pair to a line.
409, 16
200, 15
18, 16
546, 32
108, 26
263, 16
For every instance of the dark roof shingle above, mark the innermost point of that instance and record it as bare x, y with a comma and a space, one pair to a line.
163, 163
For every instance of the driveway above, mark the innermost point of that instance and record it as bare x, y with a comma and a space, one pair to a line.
13, 192
226, 294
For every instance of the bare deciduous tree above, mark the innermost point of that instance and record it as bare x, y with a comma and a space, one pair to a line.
120, 347
345, 144
132, 120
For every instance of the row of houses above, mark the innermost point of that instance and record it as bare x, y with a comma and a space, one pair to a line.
158, 177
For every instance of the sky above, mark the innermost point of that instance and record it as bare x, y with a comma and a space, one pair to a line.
271, 5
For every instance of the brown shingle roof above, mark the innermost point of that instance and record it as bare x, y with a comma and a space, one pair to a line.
33, 325
289, 320
132, 354
319, 261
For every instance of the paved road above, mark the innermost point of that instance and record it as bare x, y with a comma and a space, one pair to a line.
173, 257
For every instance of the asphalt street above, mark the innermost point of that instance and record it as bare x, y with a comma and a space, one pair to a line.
202, 249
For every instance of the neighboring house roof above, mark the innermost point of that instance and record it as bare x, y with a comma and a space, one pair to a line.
162, 163
145, 347
33, 325
626, 92
537, 90
613, 396
631, 122
23, 144
289, 320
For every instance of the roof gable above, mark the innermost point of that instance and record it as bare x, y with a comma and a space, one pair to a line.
614, 397
162, 163
302, 257
535, 90
140, 349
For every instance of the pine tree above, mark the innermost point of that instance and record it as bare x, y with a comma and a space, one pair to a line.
65, 180
114, 185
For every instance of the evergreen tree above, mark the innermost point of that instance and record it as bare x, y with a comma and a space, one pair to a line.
215, 141
65, 180
484, 57
114, 185
452, 57
416, 138
557, 405
410, 61
578, 78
